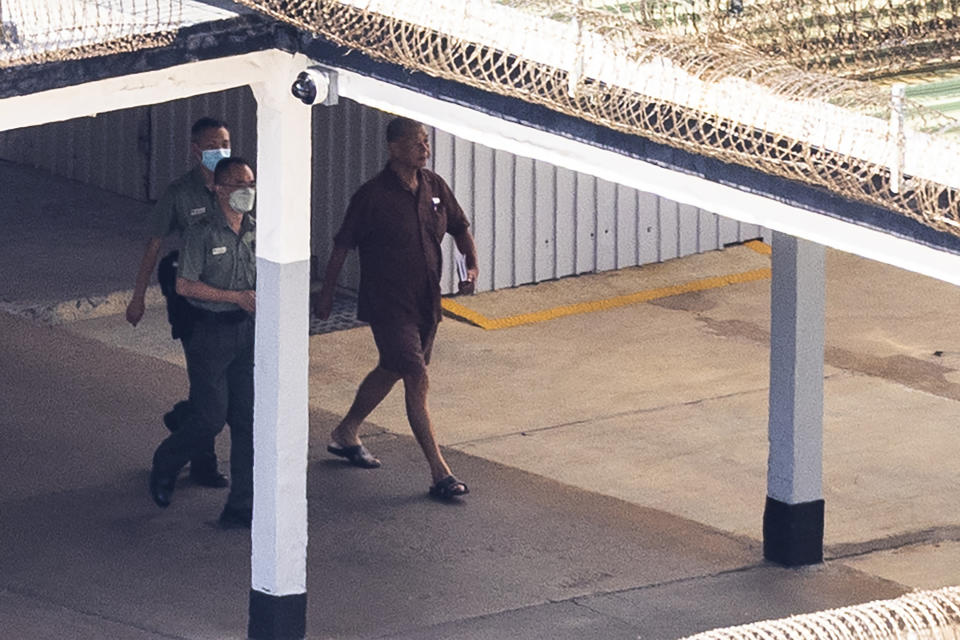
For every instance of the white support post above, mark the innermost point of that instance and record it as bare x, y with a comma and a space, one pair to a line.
793, 518
281, 418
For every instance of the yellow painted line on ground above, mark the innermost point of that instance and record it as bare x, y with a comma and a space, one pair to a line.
460, 311
759, 246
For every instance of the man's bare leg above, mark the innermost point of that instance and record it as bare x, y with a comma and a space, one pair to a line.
371, 393
415, 390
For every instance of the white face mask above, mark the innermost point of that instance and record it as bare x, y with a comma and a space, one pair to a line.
242, 199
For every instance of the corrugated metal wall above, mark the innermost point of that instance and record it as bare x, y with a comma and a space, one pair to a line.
348, 150
531, 220
133, 152
170, 124
109, 151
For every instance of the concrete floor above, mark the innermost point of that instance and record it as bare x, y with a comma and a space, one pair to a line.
617, 462
664, 404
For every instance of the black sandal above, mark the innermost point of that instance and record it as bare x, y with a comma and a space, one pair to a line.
448, 488
357, 455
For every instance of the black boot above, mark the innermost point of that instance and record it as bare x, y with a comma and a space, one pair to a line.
161, 488
203, 471
174, 418
234, 518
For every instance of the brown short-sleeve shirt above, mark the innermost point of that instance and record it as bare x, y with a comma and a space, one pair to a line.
398, 234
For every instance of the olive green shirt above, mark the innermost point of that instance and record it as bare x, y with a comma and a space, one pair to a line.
214, 255
184, 203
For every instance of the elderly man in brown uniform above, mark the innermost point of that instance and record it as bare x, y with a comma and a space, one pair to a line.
397, 221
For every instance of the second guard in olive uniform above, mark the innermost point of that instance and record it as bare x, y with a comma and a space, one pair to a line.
217, 275
188, 200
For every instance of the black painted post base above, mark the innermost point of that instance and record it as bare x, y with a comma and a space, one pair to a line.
277, 617
793, 533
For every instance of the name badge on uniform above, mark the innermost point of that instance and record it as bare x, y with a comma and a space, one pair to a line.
218, 251
198, 211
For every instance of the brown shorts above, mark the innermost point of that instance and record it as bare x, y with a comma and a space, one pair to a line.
404, 348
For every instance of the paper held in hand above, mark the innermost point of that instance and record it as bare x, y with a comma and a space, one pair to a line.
465, 286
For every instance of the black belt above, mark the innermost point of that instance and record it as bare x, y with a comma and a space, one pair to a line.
220, 317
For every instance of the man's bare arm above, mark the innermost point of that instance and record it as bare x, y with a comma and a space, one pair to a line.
323, 304
147, 264
466, 246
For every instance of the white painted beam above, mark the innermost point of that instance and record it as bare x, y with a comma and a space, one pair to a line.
134, 90
281, 420
684, 188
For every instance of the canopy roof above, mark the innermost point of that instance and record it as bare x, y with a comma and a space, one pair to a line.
37, 31
801, 89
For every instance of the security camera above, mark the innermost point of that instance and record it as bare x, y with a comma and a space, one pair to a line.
316, 85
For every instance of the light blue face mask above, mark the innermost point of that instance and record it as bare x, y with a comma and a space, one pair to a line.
210, 157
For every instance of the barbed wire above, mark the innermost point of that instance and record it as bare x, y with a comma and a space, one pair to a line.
854, 38
710, 93
772, 85
41, 31
921, 615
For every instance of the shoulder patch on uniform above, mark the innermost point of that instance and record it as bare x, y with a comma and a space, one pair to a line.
218, 251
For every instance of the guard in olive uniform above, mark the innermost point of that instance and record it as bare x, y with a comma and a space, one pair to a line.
187, 201
217, 275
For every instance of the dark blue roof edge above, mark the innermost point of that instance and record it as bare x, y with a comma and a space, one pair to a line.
249, 33
206, 41
746, 179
